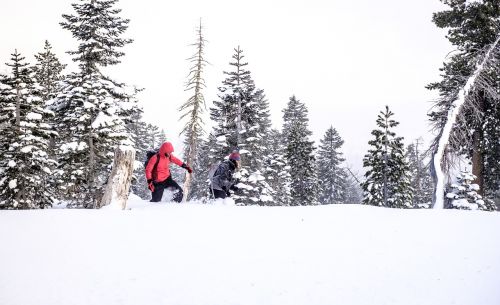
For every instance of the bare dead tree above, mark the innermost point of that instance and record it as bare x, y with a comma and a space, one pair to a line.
453, 134
194, 107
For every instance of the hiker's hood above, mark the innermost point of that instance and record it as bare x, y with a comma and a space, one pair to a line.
166, 148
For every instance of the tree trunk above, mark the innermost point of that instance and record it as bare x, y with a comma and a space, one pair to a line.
18, 108
91, 174
438, 156
477, 151
187, 186
117, 188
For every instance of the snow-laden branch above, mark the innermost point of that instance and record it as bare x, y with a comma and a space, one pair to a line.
453, 113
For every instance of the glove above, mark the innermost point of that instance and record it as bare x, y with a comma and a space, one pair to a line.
151, 186
189, 169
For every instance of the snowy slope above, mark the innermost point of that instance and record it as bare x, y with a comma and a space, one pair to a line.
206, 254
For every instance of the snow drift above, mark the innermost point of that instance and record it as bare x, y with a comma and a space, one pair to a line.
188, 254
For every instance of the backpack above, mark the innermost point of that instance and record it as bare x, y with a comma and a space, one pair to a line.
212, 170
149, 155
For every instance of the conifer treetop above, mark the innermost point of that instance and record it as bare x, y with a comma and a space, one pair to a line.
98, 27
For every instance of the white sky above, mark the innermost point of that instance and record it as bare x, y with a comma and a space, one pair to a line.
345, 59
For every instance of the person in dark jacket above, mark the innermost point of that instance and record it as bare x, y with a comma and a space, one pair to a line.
159, 176
222, 180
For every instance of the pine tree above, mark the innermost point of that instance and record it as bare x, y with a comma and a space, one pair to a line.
48, 72
25, 165
463, 195
162, 137
193, 108
138, 130
155, 137
387, 177
256, 126
421, 180
300, 154
472, 26
333, 176
354, 193
242, 120
93, 108
98, 28
276, 169
205, 160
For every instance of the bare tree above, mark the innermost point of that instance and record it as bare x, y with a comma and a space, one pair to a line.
194, 107
468, 98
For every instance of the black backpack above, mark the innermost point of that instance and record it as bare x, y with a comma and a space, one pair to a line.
149, 155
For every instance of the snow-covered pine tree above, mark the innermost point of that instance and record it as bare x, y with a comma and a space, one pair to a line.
155, 137
193, 108
463, 195
93, 108
25, 164
421, 180
240, 115
276, 169
333, 176
472, 27
48, 72
354, 193
162, 137
300, 154
256, 125
387, 177
205, 160
138, 131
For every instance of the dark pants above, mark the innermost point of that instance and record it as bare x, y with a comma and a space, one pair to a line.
218, 193
161, 186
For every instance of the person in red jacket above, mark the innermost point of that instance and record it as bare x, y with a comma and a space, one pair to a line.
158, 173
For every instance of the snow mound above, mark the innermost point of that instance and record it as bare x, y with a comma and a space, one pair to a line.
219, 253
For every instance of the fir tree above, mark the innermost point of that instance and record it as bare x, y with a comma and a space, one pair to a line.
387, 176
138, 131
421, 180
276, 169
354, 193
242, 121
93, 108
300, 154
333, 176
463, 195
25, 164
193, 108
98, 27
472, 26
48, 72
154, 137
206, 159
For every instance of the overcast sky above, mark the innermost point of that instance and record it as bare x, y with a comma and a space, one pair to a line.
345, 60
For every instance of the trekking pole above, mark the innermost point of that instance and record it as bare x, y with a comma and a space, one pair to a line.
213, 193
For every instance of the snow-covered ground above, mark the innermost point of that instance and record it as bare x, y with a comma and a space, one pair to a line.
189, 254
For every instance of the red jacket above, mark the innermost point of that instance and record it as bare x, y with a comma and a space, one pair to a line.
162, 170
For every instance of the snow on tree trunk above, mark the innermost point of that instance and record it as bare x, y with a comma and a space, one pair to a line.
450, 121
117, 189
187, 186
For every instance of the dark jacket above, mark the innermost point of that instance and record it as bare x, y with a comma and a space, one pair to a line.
223, 177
